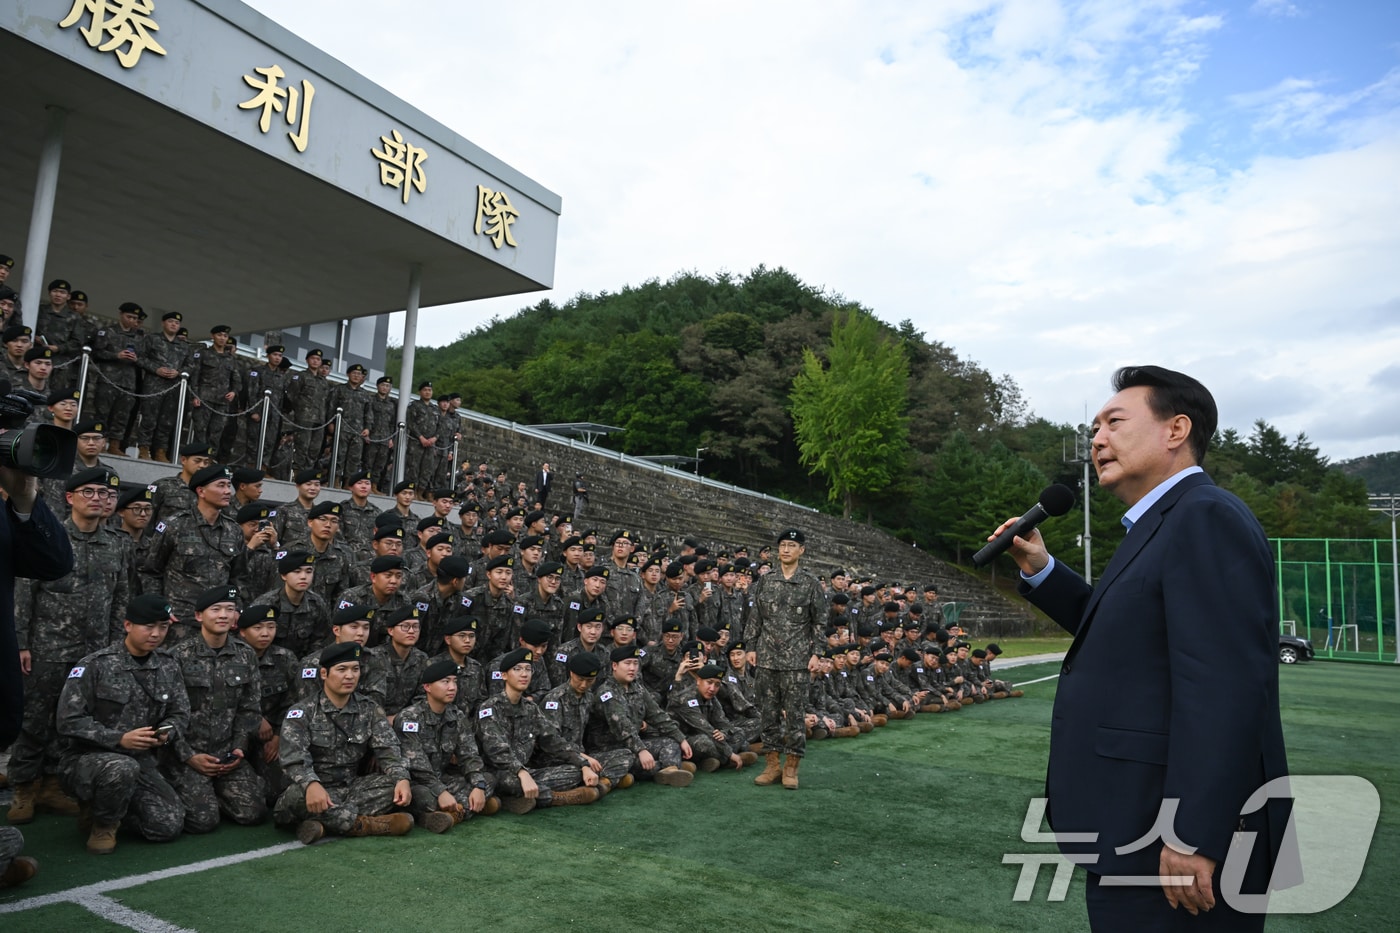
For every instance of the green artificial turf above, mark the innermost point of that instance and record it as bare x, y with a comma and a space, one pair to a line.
902, 829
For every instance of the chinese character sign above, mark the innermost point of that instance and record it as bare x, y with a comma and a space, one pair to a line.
120, 26
401, 164
273, 98
495, 215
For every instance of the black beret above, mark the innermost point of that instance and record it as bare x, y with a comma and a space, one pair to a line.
148, 608
275, 348
255, 614
584, 664
916, 610
710, 671
460, 624
498, 539
437, 670
891, 606
737, 646
322, 509
432, 521
792, 534
514, 512
840, 599
867, 591
287, 561
518, 656
536, 515
686, 560
881, 656
707, 633
356, 368
503, 561
339, 654
209, 475
314, 352
675, 625
574, 541
444, 493
220, 329
909, 654
197, 449
623, 652
440, 538
16, 331
383, 379
387, 532
354, 478
135, 494
596, 615
244, 475
216, 594
528, 541
838, 572
64, 395
252, 512
93, 475
993, 648
386, 562
172, 316
401, 486
674, 569
307, 475
979, 653
535, 632
59, 283
351, 612
469, 507
597, 572
402, 614
453, 567
622, 620
549, 568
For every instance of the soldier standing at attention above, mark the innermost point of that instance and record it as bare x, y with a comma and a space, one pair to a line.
119, 706
352, 399
383, 415
324, 739
421, 423
215, 382
306, 403
163, 356
786, 617
115, 350
268, 377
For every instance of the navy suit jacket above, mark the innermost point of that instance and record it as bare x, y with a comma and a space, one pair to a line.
1170, 688
39, 549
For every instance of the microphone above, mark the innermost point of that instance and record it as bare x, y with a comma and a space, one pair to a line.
1054, 500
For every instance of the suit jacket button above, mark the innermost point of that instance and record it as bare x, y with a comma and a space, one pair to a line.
1065, 669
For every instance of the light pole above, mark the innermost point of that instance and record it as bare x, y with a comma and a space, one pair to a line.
1390, 505
698, 452
1083, 455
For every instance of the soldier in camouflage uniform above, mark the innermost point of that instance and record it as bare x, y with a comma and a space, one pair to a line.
399, 658
225, 694
459, 643
421, 427
448, 777
542, 600
117, 352
440, 599
171, 495
57, 622
133, 512
278, 676
292, 530
736, 694
533, 636
335, 564
214, 382
624, 592
258, 572
352, 398
696, 708
510, 730
303, 617
383, 419
162, 356
262, 379
305, 400
63, 329
627, 716
357, 515
788, 614
494, 604
192, 553
349, 625
570, 706
653, 602
325, 737
121, 705
15, 869
383, 593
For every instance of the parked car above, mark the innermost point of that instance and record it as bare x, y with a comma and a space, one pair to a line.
1292, 649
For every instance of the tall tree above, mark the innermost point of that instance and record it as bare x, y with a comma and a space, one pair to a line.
849, 414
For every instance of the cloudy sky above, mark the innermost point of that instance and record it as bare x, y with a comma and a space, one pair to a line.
1052, 188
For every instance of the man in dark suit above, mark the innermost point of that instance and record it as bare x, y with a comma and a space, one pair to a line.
544, 482
33, 544
1166, 717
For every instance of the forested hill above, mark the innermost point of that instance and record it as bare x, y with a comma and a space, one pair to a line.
1380, 472
803, 394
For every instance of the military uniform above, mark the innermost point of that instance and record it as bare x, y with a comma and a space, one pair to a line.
263, 378
497, 615
225, 696
471, 683
158, 412
115, 398
302, 628
629, 717
212, 376
306, 399
357, 527
420, 421
189, 555
58, 622
785, 627
569, 713
108, 694
550, 610
383, 413
509, 734
325, 744
335, 571
354, 418
171, 496
290, 522
402, 679
698, 718
441, 753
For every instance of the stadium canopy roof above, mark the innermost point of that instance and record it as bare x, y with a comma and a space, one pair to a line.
586, 431
208, 161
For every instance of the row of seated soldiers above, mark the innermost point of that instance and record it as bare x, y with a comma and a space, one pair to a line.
162, 740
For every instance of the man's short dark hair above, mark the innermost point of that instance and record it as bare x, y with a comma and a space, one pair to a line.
1172, 393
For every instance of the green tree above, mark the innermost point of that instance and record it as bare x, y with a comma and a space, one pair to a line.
849, 414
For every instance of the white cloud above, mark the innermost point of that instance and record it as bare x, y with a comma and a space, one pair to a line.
1276, 8
1007, 175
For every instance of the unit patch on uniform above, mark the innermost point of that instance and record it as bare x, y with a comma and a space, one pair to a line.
551, 704
692, 702
519, 610
497, 675
410, 727
484, 713
295, 713
562, 658
77, 671
605, 697
573, 606
308, 672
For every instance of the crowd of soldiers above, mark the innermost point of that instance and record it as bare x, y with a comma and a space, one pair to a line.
240, 404
215, 656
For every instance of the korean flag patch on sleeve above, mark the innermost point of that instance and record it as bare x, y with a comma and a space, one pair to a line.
308, 673
605, 697
573, 606
692, 702
77, 671
160, 527
410, 727
519, 610
467, 601
551, 704
497, 675
295, 714
422, 607
562, 658
732, 679
484, 713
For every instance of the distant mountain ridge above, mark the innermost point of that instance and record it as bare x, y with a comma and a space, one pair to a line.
1380, 472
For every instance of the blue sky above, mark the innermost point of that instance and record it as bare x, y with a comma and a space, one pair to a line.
1052, 188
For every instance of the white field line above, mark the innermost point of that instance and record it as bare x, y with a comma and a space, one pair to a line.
91, 895
1038, 680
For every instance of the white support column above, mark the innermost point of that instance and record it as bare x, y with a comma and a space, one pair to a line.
410, 337
36, 250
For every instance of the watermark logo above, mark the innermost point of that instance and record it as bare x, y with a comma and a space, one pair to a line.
1327, 838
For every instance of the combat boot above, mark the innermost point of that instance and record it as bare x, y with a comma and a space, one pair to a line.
866, 726
604, 786
688, 766
143, 453
103, 839
847, 732
391, 824
880, 719
627, 781
115, 447
519, 805
493, 806
53, 800
437, 822
21, 870
747, 758
161, 456
22, 807
574, 798
772, 770
674, 777
1018, 693
310, 831
790, 763
709, 765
